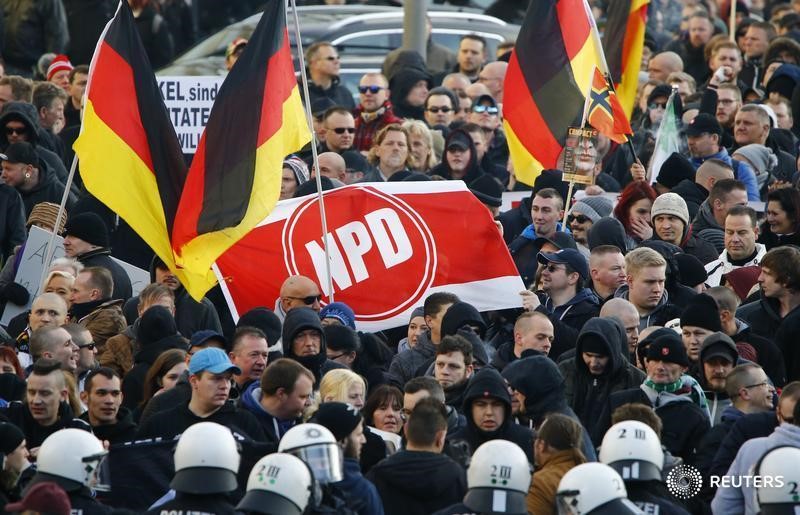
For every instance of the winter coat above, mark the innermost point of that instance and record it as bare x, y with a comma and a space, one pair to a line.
119, 350
218, 504
399, 484
474, 170
569, 318
360, 493
18, 414
156, 37
300, 319
653, 497
250, 400
405, 364
102, 257
86, 20
742, 172
524, 251
764, 319
104, 322
586, 394
693, 194
369, 124
684, 422
730, 500
661, 314
768, 354
721, 266
772, 240
754, 425
786, 341
30, 29
408, 69
485, 384
168, 424
134, 380
123, 430
541, 498
704, 251
337, 93
609, 231
12, 221
711, 441
540, 381
705, 226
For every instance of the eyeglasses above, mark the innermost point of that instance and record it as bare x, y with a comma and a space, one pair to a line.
578, 218
484, 109
372, 89
308, 300
657, 105
436, 109
336, 356
332, 58
763, 383
342, 130
16, 130
90, 346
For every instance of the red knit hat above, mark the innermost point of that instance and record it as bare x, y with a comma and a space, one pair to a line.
59, 63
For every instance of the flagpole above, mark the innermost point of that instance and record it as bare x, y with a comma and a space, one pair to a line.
61, 208
314, 156
732, 21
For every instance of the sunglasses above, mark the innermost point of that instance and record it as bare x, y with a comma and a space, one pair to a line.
372, 89
332, 58
308, 300
578, 218
656, 105
484, 109
15, 130
443, 109
553, 268
342, 130
90, 346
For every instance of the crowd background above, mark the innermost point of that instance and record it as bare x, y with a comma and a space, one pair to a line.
658, 328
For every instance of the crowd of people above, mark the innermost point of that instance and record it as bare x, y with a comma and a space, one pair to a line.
656, 337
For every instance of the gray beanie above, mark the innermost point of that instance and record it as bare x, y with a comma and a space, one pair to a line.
761, 157
670, 204
299, 167
593, 207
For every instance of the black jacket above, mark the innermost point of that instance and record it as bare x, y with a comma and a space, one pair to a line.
398, 479
18, 414
134, 381
30, 29
586, 394
123, 430
569, 318
218, 504
102, 257
653, 497
754, 425
474, 170
693, 194
170, 400
764, 319
768, 354
12, 225
169, 424
489, 383
515, 220
86, 20
338, 93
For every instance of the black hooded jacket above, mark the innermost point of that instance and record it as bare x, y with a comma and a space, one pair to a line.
474, 170
102, 257
609, 231
408, 69
123, 430
26, 114
585, 393
298, 320
18, 414
488, 383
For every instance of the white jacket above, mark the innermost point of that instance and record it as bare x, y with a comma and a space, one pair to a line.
716, 269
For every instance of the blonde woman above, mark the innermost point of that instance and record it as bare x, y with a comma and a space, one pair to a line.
420, 146
343, 385
60, 283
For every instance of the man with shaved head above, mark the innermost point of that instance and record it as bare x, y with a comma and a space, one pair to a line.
297, 291
661, 65
492, 76
626, 313
47, 310
332, 166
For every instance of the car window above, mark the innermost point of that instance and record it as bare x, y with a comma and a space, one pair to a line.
369, 42
451, 38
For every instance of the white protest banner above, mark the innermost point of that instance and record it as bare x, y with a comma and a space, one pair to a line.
32, 262
189, 101
512, 199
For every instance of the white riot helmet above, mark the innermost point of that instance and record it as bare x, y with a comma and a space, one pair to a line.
779, 465
279, 484
71, 458
317, 447
498, 478
633, 449
206, 460
593, 488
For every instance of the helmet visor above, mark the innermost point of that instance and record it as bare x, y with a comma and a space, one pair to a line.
98, 472
324, 460
567, 502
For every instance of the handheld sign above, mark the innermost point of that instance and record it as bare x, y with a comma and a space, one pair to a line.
580, 155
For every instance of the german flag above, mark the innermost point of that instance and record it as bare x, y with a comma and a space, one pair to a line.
624, 54
549, 75
130, 156
604, 112
257, 119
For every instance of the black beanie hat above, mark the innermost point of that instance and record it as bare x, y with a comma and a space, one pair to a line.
644, 344
460, 314
10, 437
264, 319
669, 348
692, 270
488, 190
701, 311
550, 178
675, 169
340, 418
89, 227
594, 344
156, 323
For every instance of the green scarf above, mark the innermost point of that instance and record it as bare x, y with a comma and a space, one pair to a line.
670, 387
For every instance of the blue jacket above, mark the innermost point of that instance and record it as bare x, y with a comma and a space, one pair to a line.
741, 171
361, 494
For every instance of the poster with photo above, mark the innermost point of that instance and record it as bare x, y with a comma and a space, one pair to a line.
580, 155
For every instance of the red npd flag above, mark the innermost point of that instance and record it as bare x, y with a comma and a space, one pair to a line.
390, 244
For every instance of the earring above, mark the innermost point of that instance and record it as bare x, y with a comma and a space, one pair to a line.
27, 175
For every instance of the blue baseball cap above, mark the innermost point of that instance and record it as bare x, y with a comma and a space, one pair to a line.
213, 360
569, 257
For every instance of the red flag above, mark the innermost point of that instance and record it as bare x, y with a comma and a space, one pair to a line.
391, 245
605, 113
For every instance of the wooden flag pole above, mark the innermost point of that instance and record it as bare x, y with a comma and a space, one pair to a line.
732, 21
48, 255
314, 155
